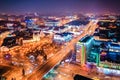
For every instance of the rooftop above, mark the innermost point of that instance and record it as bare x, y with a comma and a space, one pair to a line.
85, 39
59, 28
78, 22
114, 45
52, 20
64, 34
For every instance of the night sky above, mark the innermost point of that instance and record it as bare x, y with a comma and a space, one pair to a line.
59, 6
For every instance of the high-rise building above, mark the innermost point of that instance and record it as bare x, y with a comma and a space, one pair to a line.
80, 53
83, 48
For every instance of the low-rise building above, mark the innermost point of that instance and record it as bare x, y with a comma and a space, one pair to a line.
50, 22
60, 29
76, 25
62, 37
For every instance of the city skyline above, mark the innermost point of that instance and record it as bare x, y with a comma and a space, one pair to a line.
59, 39
59, 7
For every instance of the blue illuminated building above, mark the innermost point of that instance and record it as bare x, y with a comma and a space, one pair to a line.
88, 43
94, 56
63, 37
113, 54
29, 22
76, 24
113, 57
107, 54
114, 47
83, 48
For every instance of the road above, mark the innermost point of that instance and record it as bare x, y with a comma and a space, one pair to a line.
50, 63
41, 70
21, 59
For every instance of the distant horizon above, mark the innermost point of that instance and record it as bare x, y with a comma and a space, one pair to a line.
59, 6
57, 14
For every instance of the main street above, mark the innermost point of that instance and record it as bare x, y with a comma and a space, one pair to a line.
51, 62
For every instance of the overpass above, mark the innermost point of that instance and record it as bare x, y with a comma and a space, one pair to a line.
58, 57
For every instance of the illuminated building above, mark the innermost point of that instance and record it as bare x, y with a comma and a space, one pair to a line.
29, 23
76, 25
19, 41
109, 71
40, 21
111, 58
52, 23
105, 56
41, 28
62, 37
64, 21
114, 47
60, 29
80, 53
36, 35
83, 48
94, 56
108, 30
11, 19
11, 26
23, 24
71, 18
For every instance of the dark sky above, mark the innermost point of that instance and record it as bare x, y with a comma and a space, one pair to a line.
58, 6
